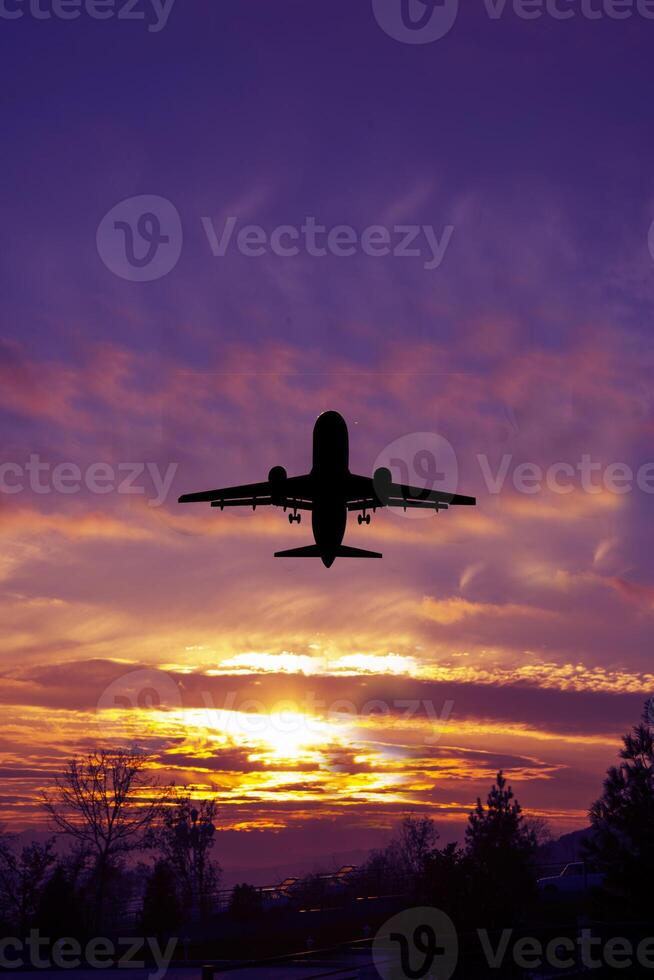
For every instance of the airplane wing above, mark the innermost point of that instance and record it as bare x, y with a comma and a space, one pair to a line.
362, 493
257, 495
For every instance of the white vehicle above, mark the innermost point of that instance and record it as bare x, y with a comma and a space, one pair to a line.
573, 880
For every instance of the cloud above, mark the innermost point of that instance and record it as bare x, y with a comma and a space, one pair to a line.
541, 656
469, 573
455, 609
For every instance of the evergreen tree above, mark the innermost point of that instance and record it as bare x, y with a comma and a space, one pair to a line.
500, 846
622, 819
448, 882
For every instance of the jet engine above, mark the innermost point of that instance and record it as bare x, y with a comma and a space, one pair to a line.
277, 474
382, 479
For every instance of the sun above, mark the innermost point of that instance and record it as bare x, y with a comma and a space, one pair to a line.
292, 736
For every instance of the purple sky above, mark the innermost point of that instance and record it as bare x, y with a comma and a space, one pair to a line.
531, 339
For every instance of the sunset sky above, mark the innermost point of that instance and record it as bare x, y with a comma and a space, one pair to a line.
320, 706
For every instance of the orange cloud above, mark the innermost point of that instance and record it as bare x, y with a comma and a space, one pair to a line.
456, 609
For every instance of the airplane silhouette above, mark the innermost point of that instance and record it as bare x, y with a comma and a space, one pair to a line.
329, 491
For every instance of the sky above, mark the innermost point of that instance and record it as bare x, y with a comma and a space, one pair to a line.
478, 296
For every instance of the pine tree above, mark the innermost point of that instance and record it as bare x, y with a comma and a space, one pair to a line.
622, 818
500, 846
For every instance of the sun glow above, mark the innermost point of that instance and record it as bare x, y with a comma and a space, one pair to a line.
293, 736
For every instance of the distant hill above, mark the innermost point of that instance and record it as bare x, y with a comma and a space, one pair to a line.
566, 849
556, 853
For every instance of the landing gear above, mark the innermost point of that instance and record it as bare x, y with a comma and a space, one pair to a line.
363, 518
293, 518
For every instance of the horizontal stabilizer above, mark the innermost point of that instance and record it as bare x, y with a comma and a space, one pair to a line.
310, 551
345, 552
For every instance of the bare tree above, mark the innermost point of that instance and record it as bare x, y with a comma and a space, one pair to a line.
417, 840
106, 801
405, 858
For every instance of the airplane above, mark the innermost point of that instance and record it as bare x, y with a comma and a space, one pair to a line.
329, 492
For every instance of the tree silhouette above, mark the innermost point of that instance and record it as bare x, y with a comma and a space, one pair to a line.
104, 801
404, 860
23, 874
622, 844
161, 907
500, 845
185, 837
245, 902
417, 841
448, 881
62, 909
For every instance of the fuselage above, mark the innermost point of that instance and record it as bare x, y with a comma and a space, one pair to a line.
330, 469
